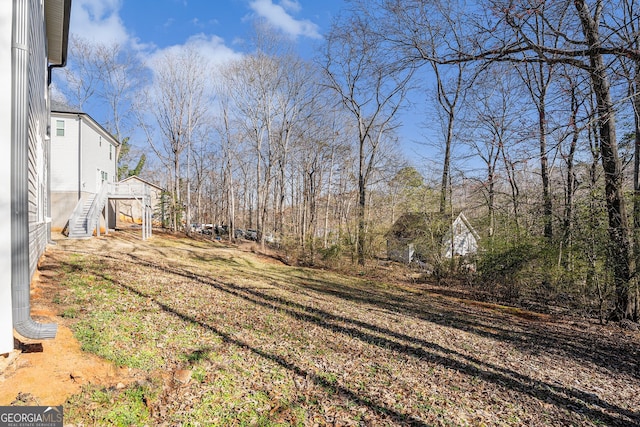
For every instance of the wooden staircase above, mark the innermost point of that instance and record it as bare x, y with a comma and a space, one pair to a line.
85, 219
86, 215
78, 224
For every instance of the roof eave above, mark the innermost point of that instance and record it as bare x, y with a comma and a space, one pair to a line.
57, 18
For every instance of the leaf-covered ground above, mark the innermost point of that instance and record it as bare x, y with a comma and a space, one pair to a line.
222, 336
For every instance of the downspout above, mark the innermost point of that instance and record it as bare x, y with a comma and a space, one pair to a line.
79, 157
20, 272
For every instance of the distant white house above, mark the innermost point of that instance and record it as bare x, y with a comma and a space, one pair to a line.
33, 40
84, 158
425, 236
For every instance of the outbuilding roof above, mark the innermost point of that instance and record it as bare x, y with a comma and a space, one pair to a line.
144, 181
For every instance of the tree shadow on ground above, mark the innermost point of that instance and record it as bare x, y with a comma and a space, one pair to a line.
565, 397
530, 336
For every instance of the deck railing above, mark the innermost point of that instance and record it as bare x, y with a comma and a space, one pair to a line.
118, 190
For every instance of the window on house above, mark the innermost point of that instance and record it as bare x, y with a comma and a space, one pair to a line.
59, 127
105, 176
100, 141
110, 152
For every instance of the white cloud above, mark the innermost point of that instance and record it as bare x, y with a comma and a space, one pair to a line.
98, 21
210, 47
277, 15
291, 5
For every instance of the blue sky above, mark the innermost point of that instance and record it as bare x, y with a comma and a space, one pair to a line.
223, 25
220, 30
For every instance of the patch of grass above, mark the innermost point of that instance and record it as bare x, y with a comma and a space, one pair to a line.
107, 335
108, 406
199, 374
70, 313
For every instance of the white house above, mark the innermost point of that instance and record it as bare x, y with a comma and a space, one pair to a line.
425, 236
83, 158
33, 40
85, 193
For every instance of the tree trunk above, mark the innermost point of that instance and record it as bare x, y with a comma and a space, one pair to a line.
326, 211
544, 171
621, 261
571, 179
361, 209
510, 171
491, 196
636, 187
176, 192
446, 163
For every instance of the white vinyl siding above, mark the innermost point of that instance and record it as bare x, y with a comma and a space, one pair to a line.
81, 161
37, 122
64, 156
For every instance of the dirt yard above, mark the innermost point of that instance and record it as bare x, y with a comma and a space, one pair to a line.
174, 331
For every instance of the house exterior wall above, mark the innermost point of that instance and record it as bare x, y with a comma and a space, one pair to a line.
64, 154
37, 136
98, 155
66, 187
6, 321
24, 170
464, 241
400, 251
417, 237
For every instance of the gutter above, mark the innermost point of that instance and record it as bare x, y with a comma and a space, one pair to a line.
65, 40
20, 247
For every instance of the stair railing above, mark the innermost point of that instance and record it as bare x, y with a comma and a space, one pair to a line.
98, 203
76, 214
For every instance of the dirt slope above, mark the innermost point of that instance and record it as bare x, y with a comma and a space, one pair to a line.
47, 372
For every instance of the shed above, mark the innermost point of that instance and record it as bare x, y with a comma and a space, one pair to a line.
465, 238
131, 210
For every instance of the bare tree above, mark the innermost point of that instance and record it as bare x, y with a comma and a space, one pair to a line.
537, 78
82, 75
489, 132
587, 53
177, 102
629, 24
253, 86
372, 88
533, 32
107, 74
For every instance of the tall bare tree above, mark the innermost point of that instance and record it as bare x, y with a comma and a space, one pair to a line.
588, 40
579, 33
420, 31
371, 86
177, 102
629, 23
